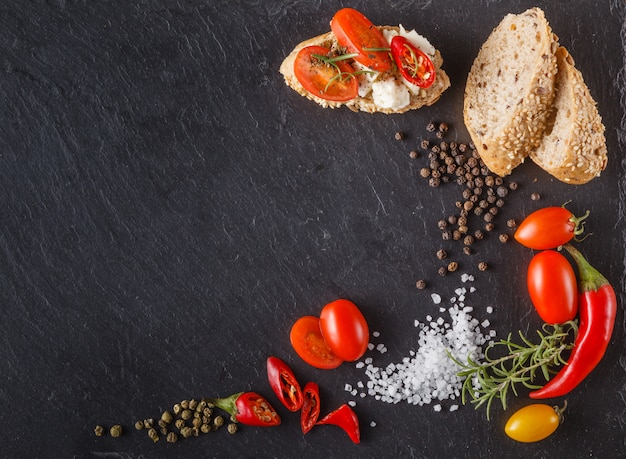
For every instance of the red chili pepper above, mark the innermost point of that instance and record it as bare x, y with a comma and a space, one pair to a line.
284, 384
345, 418
249, 408
597, 310
310, 406
414, 65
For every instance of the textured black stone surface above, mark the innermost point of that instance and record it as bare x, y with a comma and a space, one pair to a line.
170, 208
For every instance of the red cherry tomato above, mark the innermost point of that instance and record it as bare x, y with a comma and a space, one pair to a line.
548, 228
344, 329
552, 287
415, 66
358, 35
310, 412
335, 82
306, 339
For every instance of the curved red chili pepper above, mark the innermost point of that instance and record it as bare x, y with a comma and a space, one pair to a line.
310, 406
345, 418
248, 408
597, 310
414, 65
284, 384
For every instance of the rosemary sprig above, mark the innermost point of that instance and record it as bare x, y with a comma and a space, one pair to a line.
495, 377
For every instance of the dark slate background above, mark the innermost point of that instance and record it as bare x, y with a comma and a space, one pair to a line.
170, 208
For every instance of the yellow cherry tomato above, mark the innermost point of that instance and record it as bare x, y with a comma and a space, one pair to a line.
534, 422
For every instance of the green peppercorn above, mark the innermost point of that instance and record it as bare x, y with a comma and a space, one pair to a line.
205, 428
172, 437
232, 428
186, 414
218, 421
186, 432
153, 435
116, 430
98, 430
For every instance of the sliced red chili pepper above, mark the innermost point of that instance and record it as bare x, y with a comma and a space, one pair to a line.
345, 418
597, 309
284, 384
414, 65
249, 408
310, 406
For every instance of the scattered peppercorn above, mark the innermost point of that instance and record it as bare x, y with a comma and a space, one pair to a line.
398, 136
511, 223
232, 428
441, 254
535, 196
482, 266
430, 127
413, 154
218, 421
139, 425
504, 238
98, 430
172, 437
420, 284
153, 435
442, 271
453, 266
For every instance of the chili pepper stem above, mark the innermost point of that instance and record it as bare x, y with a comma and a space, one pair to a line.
227, 403
590, 278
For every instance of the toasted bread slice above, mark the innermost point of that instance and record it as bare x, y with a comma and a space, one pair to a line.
510, 89
418, 97
574, 147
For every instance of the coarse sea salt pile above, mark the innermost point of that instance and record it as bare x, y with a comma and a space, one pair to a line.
428, 375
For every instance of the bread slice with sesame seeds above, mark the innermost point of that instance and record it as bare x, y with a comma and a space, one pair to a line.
510, 89
574, 147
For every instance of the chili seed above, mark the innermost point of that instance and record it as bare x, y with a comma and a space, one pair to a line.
98, 430
421, 284
482, 266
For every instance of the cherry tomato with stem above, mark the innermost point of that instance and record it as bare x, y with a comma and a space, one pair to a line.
284, 384
358, 35
344, 329
310, 412
552, 286
414, 65
307, 340
549, 228
534, 422
330, 78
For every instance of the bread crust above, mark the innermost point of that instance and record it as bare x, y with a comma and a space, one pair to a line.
510, 89
574, 147
426, 96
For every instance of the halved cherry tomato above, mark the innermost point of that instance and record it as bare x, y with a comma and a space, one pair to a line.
358, 35
335, 82
552, 287
415, 66
306, 339
549, 228
284, 384
310, 407
533, 422
344, 329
